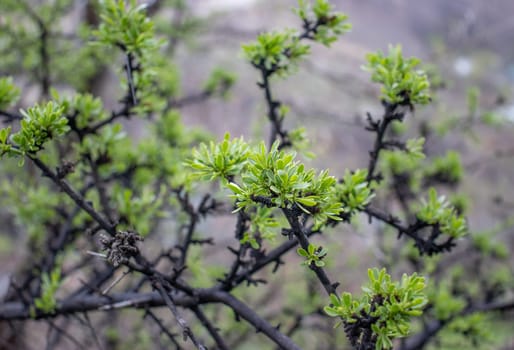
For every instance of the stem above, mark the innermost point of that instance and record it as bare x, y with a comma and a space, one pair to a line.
75, 196
300, 234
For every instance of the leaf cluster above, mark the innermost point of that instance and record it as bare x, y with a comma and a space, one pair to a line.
39, 125
49, 284
386, 306
402, 83
127, 26
313, 255
278, 52
328, 24
9, 93
438, 211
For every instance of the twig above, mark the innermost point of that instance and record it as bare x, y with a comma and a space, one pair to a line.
163, 328
213, 331
186, 331
115, 282
75, 196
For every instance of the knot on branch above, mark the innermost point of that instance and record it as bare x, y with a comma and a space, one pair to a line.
121, 247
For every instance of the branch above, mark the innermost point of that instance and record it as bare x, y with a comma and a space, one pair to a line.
419, 340
10, 117
300, 234
186, 331
213, 331
261, 325
75, 196
379, 127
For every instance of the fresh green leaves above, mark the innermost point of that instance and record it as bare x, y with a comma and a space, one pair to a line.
313, 255
447, 168
386, 305
220, 82
264, 226
50, 283
273, 178
39, 125
280, 52
85, 109
401, 82
437, 211
277, 52
354, 191
126, 26
139, 211
220, 160
5, 146
329, 24
9, 93
445, 304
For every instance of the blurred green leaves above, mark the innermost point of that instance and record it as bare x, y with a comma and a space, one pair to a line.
9, 93
278, 52
402, 83
126, 26
437, 211
321, 15
47, 303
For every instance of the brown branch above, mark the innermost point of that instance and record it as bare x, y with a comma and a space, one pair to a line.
186, 331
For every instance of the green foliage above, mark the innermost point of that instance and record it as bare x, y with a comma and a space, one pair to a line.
139, 212
220, 81
103, 143
85, 109
475, 328
401, 83
127, 26
486, 244
415, 148
300, 141
313, 255
263, 225
9, 93
473, 99
277, 51
50, 283
219, 160
392, 304
39, 125
132, 183
280, 52
445, 304
33, 206
5, 146
438, 211
330, 24
277, 177
354, 191
448, 168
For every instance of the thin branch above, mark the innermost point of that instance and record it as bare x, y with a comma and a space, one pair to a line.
164, 329
62, 332
213, 331
303, 239
261, 325
75, 196
186, 331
